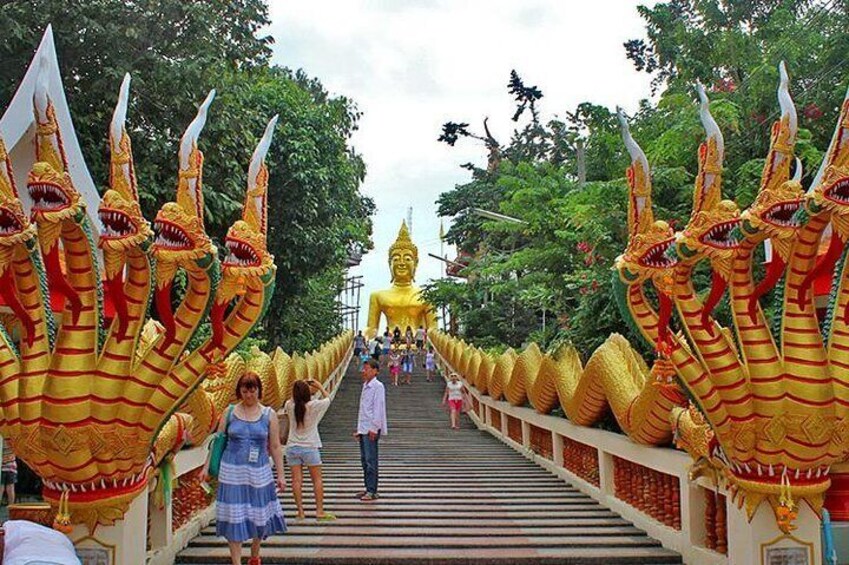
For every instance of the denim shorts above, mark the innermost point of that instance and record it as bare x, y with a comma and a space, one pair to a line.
309, 456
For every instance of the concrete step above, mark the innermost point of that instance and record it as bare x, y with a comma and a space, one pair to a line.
448, 556
556, 515
312, 527
388, 500
358, 540
455, 523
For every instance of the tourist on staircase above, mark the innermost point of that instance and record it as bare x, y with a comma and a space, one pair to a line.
359, 343
420, 338
407, 362
454, 397
8, 471
374, 348
430, 363
302, 447
371, 425
395, 366
364, 356
387, 345
247, 507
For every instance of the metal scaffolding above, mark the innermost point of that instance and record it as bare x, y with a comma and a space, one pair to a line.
348, 302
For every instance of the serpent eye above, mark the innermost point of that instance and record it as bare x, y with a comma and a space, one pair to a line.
685, 251
628, 275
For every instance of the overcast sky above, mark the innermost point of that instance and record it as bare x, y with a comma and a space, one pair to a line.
412, 65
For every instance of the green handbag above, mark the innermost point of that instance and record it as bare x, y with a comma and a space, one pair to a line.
218, 445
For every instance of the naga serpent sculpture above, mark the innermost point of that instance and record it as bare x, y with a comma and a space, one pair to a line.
770, 412
775, 400
83, 404
247, 283
615, 377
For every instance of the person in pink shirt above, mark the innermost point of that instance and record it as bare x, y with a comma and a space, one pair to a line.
394, 366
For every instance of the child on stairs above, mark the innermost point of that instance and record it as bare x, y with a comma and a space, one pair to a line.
394, 366
430, 363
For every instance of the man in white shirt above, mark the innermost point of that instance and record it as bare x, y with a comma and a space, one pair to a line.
371, 425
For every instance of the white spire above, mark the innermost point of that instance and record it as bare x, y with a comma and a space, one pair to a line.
190, 138
260, 152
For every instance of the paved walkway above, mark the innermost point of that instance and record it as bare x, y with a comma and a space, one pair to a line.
446, 497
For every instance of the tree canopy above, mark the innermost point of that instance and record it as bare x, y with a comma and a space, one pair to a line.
564, 176
176, 52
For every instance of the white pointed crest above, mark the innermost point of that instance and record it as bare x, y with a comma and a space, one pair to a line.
17, 126
6, 172
40, 98
634, 150
190, 138
261, 151
119, 116
710, 125
785, 101
838, 132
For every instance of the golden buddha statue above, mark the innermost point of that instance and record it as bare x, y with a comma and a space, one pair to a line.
401, 303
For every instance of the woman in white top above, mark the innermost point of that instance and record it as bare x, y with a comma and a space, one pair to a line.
454, 397
302, 447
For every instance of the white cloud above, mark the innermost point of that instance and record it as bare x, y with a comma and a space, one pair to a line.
412, 65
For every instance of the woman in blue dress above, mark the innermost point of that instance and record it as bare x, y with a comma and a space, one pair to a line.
247, 506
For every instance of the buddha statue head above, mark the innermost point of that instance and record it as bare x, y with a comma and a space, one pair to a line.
403, 257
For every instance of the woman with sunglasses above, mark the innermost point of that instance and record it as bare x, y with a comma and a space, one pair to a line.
247, 506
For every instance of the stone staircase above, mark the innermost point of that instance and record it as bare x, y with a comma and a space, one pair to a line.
446, 497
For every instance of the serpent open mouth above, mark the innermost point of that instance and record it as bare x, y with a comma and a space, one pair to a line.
9, 223
240, 254
83, 492
658, 255
115, 223
838, 191
47, 197
720, 236
783, 214
171, 236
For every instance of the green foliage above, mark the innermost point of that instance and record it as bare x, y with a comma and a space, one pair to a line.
558, 264
310, 318
176, 52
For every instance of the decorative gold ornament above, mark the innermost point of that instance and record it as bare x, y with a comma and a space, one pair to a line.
402, 244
